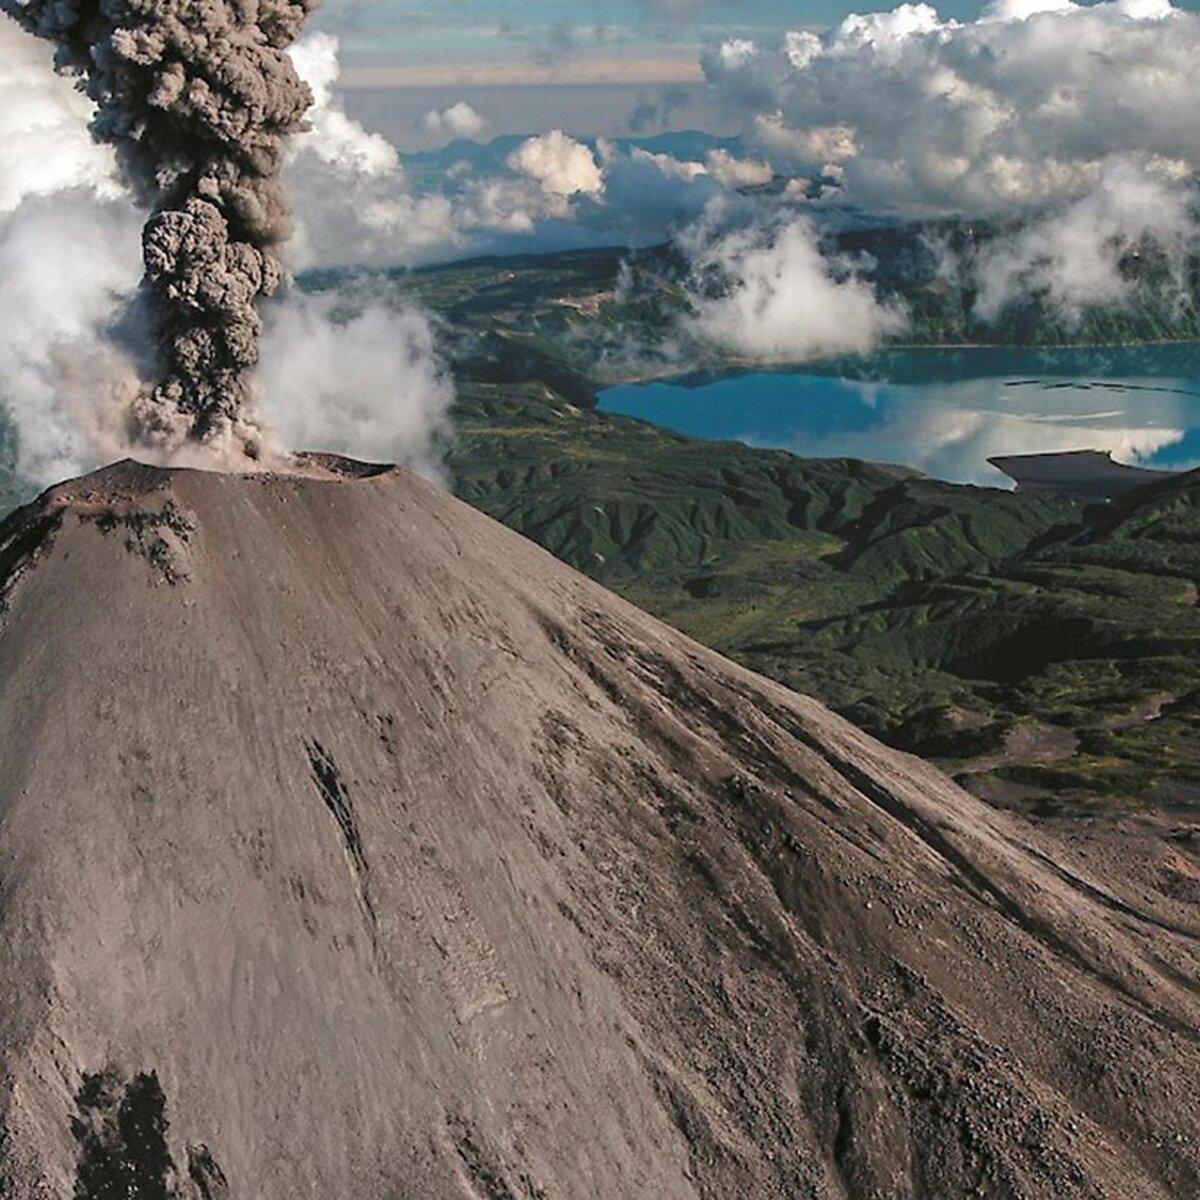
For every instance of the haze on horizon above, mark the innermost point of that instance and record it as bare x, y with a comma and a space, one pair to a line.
586, 66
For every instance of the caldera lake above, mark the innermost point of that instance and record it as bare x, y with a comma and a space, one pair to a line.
947, 411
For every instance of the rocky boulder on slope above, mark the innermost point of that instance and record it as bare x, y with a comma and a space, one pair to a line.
352, 847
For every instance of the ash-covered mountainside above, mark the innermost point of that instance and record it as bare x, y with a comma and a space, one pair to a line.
351, 846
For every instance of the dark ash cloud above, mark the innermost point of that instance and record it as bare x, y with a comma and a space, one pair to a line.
196, 97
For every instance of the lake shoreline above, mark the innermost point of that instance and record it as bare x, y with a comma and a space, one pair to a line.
944, 411
732, 368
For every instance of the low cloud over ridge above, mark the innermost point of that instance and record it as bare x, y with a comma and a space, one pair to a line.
768, 293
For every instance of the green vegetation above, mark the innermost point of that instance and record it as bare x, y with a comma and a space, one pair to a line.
13, 491
1045, 651
579, 320
1038, 648
931, 268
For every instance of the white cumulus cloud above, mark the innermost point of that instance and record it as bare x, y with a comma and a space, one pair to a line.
560, 164
816, 144
350, 198
733, 172
353, 202
458, 121
333, 137
1073, 255
1025, 105
768, 293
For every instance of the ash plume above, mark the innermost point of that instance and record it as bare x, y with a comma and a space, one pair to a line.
196, 97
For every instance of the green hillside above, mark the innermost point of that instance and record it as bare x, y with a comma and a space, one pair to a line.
1045, 651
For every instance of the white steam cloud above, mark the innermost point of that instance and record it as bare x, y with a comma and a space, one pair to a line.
66, 264
777, 298
69, 254
70, 260
370, 386
43, 129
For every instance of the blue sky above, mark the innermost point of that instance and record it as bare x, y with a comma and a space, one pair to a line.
516, 31
531, 65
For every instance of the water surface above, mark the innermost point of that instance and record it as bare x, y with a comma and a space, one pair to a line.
946, 412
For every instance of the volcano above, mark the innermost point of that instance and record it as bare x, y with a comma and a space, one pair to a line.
353, 847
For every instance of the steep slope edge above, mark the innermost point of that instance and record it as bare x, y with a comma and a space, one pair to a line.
352, 846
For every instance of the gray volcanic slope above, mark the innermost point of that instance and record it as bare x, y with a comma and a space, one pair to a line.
352, 847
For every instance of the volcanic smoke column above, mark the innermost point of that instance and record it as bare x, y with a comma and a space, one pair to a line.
197, 97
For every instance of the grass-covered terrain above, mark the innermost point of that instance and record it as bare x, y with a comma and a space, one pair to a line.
1043, 650
13, 491
931, 269
580, 319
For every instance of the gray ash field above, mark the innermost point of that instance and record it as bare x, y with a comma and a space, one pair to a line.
352, 846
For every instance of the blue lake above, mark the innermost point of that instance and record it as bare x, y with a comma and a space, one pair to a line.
947, 411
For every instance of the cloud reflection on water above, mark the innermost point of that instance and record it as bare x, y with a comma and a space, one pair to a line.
947, 429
